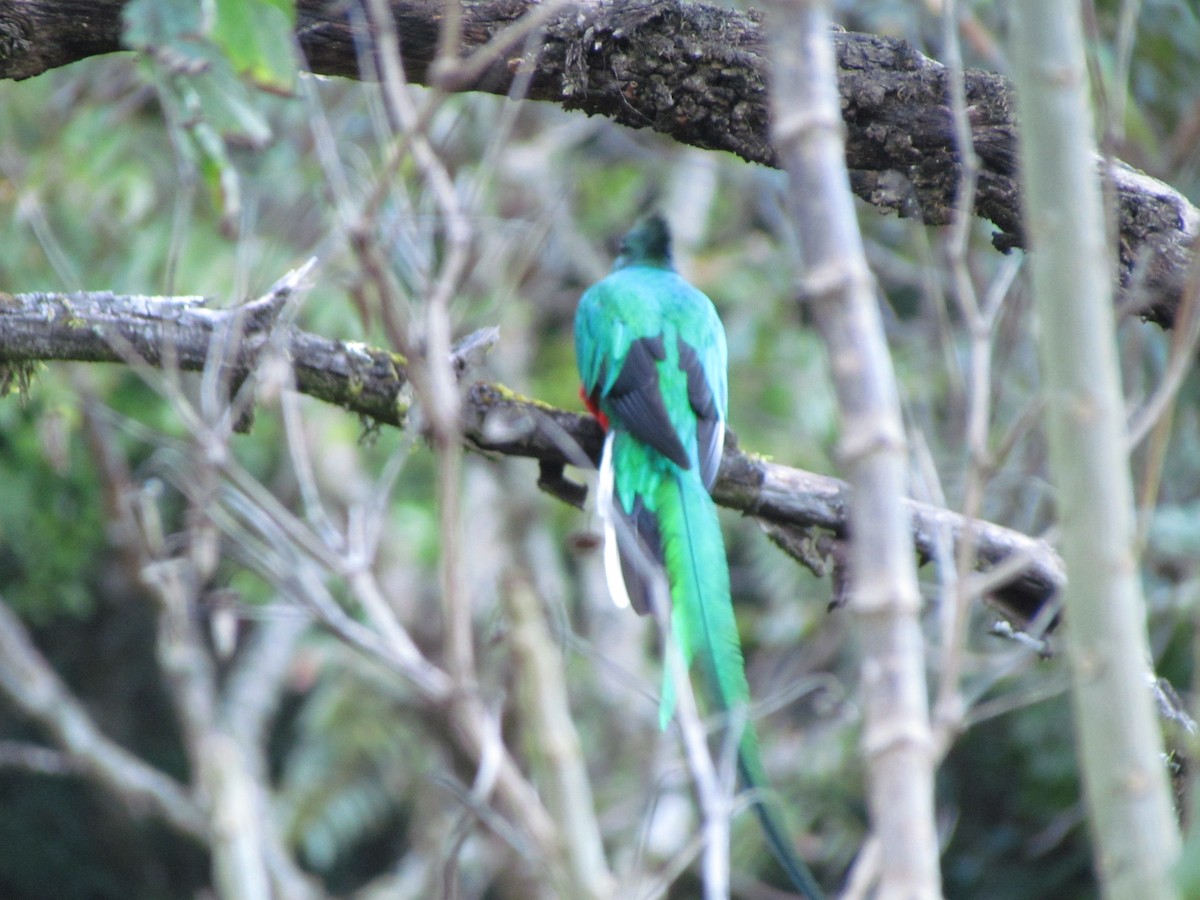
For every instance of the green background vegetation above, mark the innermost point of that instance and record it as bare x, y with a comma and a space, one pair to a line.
115, 174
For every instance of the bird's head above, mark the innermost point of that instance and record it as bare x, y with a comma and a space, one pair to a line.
648, 243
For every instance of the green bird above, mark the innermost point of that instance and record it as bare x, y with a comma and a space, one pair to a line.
653, 361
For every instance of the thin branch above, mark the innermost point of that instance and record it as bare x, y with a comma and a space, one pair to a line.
253, 692
37, 760
553, 741
32, 686
433, 377
256, 683
233, 797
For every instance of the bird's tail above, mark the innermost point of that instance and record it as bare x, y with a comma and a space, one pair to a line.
704, 627
754, 777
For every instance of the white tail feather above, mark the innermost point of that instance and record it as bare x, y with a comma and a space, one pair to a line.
604, 506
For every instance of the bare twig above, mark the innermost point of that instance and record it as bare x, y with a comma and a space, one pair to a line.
714, 782
32, 687
255, 684
253, 691
35, 759
980, 319
552, 737
233, 799
428, 343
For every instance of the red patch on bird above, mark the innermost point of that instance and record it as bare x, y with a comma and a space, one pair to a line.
593, 407
585, 541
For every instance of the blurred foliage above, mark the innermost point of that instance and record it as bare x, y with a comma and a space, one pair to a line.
51, 512
172, 174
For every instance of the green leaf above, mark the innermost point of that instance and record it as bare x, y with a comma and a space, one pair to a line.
256, 35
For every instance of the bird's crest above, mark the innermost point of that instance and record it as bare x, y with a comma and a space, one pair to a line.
648, 243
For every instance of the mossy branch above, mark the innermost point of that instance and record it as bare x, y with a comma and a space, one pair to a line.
183, 332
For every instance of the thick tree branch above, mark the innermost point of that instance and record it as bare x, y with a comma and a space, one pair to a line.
157, 331
699, 74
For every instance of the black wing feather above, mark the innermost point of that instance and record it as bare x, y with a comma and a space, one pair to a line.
638, 404
710, 435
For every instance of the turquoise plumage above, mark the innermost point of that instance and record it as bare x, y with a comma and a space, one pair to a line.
653, 360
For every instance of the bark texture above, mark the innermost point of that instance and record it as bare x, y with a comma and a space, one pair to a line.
700, 75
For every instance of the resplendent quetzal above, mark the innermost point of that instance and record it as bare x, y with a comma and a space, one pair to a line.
652, 357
